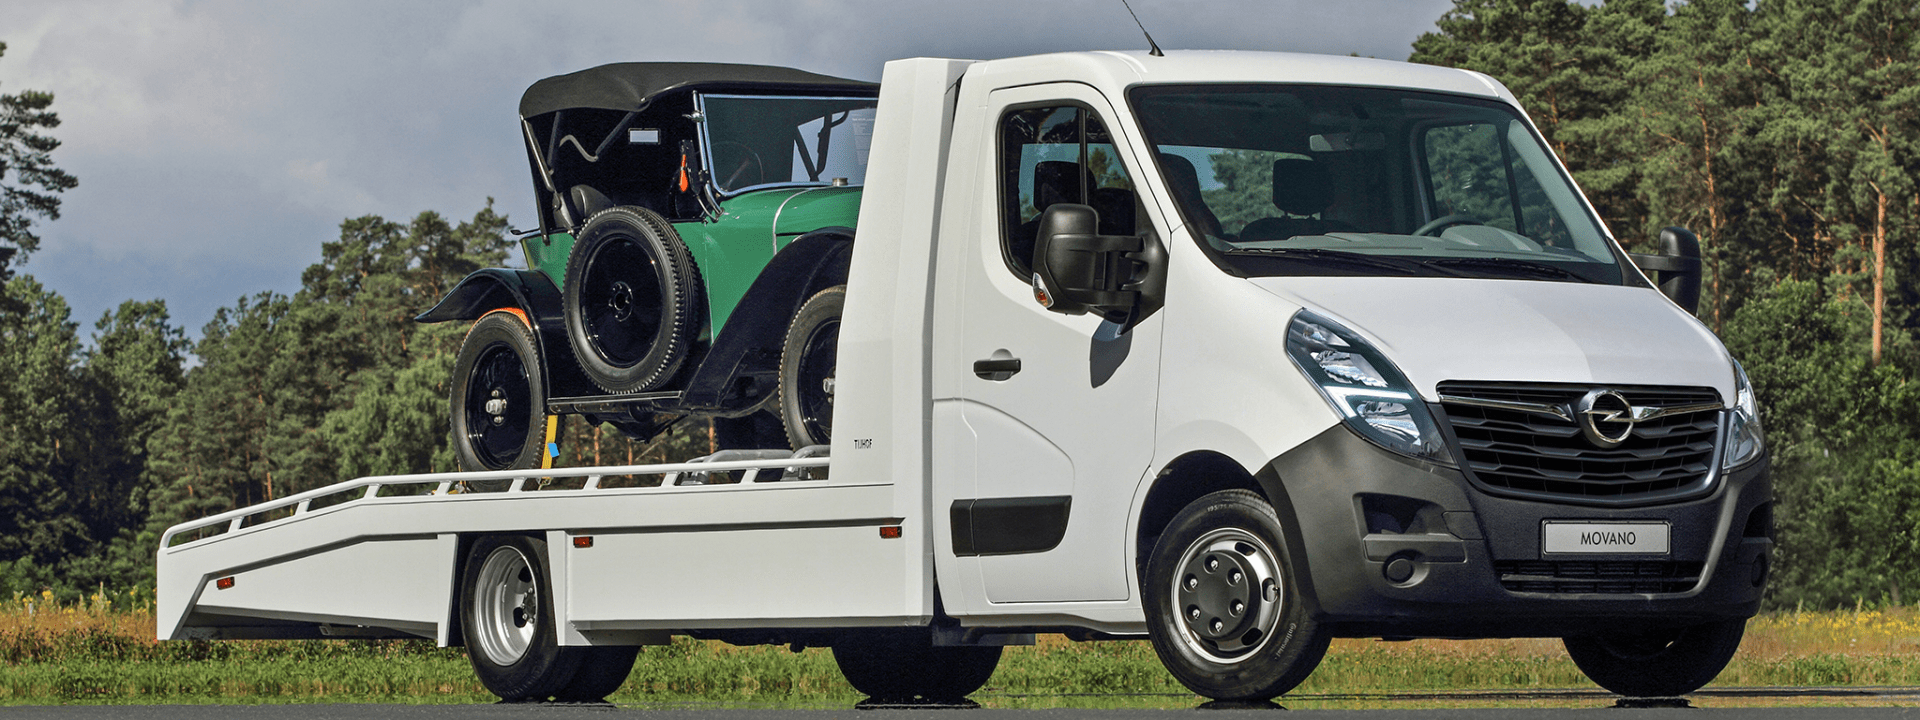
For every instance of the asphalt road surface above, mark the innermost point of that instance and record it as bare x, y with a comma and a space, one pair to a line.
1868, 702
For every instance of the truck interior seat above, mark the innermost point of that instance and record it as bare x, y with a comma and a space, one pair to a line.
1184, 180
1302, 189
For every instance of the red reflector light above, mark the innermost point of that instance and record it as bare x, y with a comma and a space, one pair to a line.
583, 541
223, 583
890, 532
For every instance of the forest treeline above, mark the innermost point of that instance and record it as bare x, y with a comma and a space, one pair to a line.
1785, 132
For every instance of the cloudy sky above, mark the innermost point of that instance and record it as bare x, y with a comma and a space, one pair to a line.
218, 143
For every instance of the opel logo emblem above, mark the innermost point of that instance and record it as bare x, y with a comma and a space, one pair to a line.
1605, 417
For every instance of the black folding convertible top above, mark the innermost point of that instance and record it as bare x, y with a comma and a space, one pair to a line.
629, 86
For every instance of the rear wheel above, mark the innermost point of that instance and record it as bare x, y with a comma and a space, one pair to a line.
603, 669
499, 402
1657, 663
905, 665
630, 300
807, 363
1224, 609
506, 616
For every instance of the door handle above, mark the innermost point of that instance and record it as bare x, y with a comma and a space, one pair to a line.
996, 369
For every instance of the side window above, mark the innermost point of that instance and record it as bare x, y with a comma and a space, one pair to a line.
1057, 154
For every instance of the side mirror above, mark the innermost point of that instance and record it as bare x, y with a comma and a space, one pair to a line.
1677, 265
1076, 270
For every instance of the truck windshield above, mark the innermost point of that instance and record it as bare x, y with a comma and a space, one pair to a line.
1321, 180
758, 140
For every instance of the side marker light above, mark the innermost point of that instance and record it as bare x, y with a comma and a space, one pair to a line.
890, 532
583, 541
223, 583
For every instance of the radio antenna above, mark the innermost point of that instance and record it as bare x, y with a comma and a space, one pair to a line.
1155, 51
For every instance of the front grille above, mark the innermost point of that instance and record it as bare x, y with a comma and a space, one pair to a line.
1538, 456
1615, 577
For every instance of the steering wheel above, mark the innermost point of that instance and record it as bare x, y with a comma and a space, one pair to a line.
1433, 227
749, 161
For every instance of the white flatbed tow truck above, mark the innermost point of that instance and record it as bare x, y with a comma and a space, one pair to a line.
1236, 352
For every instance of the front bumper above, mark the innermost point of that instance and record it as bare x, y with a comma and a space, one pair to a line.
1356, 509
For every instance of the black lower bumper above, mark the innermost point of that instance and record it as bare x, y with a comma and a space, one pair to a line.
1397, 547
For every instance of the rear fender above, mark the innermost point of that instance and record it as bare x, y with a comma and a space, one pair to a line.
533, 293
750, 342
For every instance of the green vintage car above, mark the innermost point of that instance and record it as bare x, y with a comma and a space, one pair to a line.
691, 259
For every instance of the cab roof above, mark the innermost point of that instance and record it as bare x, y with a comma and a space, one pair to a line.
630, 86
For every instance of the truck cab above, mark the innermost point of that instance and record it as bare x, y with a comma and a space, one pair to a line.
1243, 351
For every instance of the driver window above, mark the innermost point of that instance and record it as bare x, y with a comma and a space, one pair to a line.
1058, 154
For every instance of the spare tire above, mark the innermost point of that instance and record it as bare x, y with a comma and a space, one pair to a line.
631, 298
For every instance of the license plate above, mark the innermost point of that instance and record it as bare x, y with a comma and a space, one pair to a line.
1604, 538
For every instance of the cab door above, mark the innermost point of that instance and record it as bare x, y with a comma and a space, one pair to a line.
1043, 422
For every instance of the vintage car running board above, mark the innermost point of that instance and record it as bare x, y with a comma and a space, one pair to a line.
607, 403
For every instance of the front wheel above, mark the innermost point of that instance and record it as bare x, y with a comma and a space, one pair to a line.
1224, 609
1657, 663
807, 361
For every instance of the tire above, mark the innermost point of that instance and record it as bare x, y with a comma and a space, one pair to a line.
807, 362
905, 665
1223, 602
498, 399
1664, 663
631, 298
507, 619
603, 669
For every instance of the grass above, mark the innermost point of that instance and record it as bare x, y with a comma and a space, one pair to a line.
101, 650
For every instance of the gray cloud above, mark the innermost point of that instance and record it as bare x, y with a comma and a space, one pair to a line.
219, 142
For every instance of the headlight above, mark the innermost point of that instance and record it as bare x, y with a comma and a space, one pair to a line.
1745, 442
1364, 387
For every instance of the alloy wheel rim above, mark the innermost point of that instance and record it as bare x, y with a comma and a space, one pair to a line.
506, 606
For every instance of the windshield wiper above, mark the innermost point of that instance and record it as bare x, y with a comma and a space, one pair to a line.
1332, 257
1499, 266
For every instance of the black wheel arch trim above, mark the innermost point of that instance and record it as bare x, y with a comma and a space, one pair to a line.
750, 342
535, 294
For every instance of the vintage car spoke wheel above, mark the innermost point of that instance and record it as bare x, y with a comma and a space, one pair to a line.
904, 665
1659, 662
1223, 609
807, 368
507, 621
630, 300
498, 399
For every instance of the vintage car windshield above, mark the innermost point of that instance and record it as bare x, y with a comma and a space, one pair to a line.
1322, 180
755, 141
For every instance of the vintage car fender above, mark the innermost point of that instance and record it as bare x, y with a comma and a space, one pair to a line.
490, 289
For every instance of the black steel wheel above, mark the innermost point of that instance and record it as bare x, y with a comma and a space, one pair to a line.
1663, 662
1223, 605
499, 401
631, 300
506, 617
904, 665
807, 363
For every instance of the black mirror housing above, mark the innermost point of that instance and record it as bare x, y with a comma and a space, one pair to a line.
1678, 267
1076, 270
